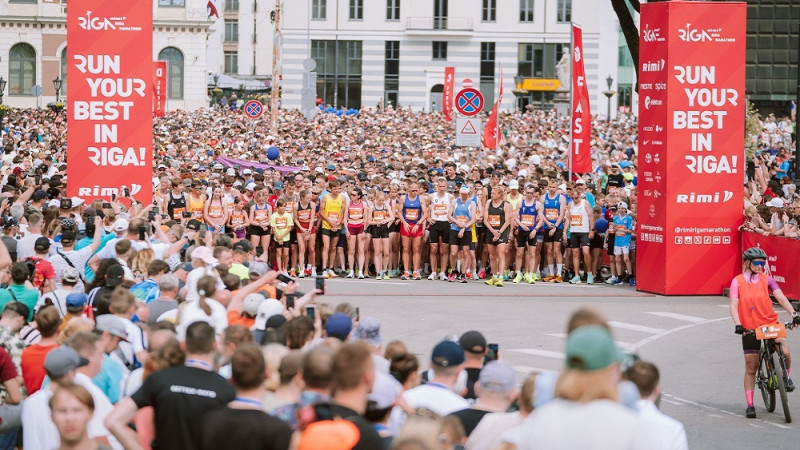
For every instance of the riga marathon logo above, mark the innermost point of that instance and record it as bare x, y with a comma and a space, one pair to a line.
652, 35
90, 23
689, 34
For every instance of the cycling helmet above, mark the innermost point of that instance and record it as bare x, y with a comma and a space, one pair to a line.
754, 253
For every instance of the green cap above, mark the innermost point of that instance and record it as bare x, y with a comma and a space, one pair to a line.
591, 347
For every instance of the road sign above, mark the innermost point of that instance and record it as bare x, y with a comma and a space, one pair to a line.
468, 132
253, 109
469, 101
36, 90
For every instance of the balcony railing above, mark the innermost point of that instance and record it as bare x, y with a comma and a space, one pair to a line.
439, 24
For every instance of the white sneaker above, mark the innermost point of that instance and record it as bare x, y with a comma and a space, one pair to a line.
442, 276
313, 271
360, 275
432, 276
611, 280
350, 274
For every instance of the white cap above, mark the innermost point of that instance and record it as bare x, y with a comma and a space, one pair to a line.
120, 225
231, 171
513, 184
76, 201
54, 202
776, 202
266, 309
247, 172
622, 205
464, 189
251, 303
580, 181
535, 160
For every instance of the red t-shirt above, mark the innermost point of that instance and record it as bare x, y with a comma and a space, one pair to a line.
44, 271
7, 369
32, 365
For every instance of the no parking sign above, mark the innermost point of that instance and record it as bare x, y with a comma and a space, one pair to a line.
253, 109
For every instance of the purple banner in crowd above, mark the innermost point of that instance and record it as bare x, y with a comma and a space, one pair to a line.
230, 162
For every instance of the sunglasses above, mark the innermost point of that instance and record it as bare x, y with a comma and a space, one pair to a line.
759, 263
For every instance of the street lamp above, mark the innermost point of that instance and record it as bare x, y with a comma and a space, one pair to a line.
2, 88
57, 84
214, 90
609, 93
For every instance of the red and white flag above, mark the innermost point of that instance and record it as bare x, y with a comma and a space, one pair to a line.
447, 93
212, 9
490, 134
581, 117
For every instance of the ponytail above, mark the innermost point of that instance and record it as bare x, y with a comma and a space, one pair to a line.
206, 287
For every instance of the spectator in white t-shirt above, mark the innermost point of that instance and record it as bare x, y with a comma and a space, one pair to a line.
667, 432
67, 257
133, 352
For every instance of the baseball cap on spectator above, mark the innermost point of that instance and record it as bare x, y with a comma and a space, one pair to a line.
251, 303
19, 308
331, 167
258, 268
776, 202
69, 223
76, 300
247, 172
628, 176
204, 254
54, 202
39, 195
193, 225
275, 321
369, 331
513, 184
10, 222
61, 360
218, 166
42, 244
112, 324
590, 348
621, 205
580, 181
278, 185
447, 354
187, 182
266, 310
231, 171
70, 275
385, 391
68, 237
338, 326
473, 341
76, 201
498, 376
242, 246
121, 225
330, 435
114, 275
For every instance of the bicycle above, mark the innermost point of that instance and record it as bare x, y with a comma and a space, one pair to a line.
767, 378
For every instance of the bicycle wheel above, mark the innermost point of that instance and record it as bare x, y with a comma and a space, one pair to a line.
762, 381
787, 415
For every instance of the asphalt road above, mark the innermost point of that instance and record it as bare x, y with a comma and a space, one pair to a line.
690, 339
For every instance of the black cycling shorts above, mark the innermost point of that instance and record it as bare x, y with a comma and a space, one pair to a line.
379, 231
255, 230
462, 241
750, 344
523, 238
597, 241
578, 240
489, 240
439, 230
555, 237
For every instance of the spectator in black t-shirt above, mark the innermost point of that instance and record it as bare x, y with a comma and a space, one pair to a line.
496, 391
243, 424
615, 177
353, 377
474, 345
179, 395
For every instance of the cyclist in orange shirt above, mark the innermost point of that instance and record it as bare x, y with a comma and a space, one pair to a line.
751, 307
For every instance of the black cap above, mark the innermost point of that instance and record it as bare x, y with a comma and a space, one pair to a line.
19, 308
68, 236
114, 275
193, 225
10, 222
473, 342
42, 244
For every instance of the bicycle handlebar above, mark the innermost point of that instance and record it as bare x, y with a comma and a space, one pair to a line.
789, 325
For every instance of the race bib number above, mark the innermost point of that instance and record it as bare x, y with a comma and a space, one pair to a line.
177, 213
576, 220
261, 214
620, 230
440, 209
334, 215
528, 220
494, 220
304, 215
773, 331
229, 207
281, 223
237, 220
215, 211
378, 215
412, 214
356, 213
551, 214
462, 221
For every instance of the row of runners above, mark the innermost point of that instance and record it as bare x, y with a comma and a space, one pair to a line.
444, 229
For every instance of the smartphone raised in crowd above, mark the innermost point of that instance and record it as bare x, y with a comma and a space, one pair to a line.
494, 352
285, 278
289, 301
321, 285
142, 231
310, 311
151, 216
106, 205
187, 214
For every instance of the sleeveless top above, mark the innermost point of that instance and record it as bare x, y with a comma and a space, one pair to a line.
462, 215
216, 211
333, 209
528, 214
552, 206
514, 202
304, 214
237, 219
755, 307
497, 215
578, 218
380, 214
412, 210
261, 214
176, 206
196, 207
355, 213
439, 207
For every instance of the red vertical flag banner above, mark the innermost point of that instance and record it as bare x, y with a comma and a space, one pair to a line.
691, 146
581, 117
447, 93
490, 134
159, 88
110, 109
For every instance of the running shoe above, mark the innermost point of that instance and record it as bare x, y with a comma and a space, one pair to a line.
360, 276
491, 281
442, 276
350, 274
558, 279
632, 281
536, 277
575, 280
416, 276
482, 274
292, 273
507, 276
469, 276
314, 272
518, 278
462, 278
499, 283
452, 277
617, 281
589, 279
432, 276
302, 274
750, 412
379, 277
611, 280
405, 276
386, 276
789, 385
